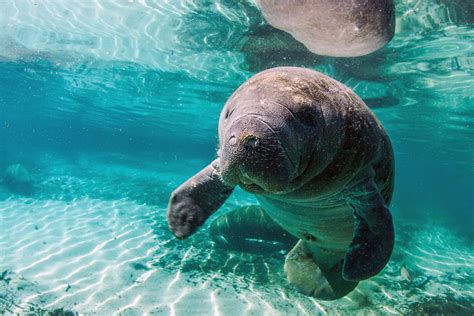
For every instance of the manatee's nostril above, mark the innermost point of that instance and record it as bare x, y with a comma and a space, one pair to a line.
309, 237
232, 140
250, 142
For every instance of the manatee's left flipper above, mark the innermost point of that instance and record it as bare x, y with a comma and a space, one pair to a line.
196, 199
373, 238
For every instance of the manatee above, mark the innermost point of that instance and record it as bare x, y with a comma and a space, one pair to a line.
249, 229
319, 163
334, 28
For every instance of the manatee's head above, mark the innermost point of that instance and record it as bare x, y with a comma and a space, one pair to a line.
273, 134
268, 132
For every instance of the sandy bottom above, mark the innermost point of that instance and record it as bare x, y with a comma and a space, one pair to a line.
93, 239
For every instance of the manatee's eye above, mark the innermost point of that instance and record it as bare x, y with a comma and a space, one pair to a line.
228, 113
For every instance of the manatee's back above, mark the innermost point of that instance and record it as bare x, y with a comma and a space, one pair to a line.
366, 143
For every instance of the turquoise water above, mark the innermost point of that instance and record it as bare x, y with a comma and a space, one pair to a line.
110, 105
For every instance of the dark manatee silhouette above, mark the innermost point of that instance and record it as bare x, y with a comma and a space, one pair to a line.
250, 229
334, 28
18, 180
321, 166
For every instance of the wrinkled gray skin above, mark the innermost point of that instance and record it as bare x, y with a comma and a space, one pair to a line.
346, 28
321, 166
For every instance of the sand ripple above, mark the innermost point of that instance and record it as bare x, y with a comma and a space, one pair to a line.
116, 256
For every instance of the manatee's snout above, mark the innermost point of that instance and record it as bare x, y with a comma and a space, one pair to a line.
252, 156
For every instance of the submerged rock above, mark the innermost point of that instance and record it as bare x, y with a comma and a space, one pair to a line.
18, 180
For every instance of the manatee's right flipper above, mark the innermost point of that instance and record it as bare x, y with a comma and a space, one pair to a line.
373, 238
309, 278
195, 200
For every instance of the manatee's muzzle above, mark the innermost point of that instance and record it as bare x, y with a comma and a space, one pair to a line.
253, 157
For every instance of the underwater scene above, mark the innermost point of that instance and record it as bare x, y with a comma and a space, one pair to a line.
107, 107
